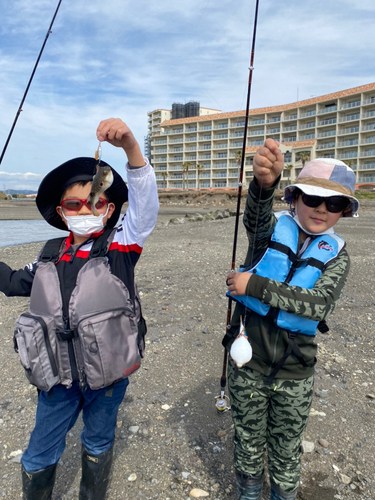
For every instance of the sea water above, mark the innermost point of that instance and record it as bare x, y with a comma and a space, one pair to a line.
18, 232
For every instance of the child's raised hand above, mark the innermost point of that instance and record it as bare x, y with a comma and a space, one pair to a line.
237, 283
268, 163
117, 133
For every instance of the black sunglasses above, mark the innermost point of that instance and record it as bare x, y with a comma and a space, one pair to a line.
334, 204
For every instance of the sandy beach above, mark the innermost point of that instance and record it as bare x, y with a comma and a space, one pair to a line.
169, 437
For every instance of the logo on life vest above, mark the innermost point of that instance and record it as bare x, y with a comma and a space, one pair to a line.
323, 245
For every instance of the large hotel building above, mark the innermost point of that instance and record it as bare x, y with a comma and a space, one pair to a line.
339, 125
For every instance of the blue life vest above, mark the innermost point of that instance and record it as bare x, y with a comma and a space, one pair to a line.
280, 262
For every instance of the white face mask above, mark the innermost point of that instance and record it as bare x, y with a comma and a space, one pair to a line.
84, 225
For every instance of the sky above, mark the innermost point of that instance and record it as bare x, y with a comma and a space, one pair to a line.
122, 58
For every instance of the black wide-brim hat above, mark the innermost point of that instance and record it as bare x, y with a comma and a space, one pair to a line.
58, 180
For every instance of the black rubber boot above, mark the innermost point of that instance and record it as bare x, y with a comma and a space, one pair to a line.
249, 487
279, 494
95, 474
38, 485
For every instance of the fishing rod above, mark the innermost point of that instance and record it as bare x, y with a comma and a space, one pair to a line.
222, 402
30, 80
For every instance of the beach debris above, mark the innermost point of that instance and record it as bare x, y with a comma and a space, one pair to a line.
241, 351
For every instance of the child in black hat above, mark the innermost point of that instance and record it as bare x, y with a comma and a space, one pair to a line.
84, 332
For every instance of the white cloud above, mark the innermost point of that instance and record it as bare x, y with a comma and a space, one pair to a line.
125, 58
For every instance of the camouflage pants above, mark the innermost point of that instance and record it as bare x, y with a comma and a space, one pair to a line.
271, 417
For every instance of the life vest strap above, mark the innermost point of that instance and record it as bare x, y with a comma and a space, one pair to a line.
292, 348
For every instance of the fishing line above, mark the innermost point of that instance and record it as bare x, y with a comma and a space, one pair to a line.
222, 401
30, 80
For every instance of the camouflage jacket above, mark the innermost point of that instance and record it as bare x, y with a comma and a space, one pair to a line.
269, 342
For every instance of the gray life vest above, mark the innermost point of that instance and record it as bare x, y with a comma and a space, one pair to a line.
105, 326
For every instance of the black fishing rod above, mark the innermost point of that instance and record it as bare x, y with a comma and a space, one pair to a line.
28, 85
222, 401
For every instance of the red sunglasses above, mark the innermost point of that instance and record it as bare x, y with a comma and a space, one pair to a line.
75, 204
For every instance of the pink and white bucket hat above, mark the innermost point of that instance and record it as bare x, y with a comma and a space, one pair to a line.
326, 177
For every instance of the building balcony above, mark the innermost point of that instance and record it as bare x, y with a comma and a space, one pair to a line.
308, 113
160, 160
176, 158
256, 132
220, 146
330, 109
329, 133
367, 178
350, 142
348, 130
349, 118
176, 141
366, 128
204, 148
369, 152
205, 127
330, 121
175, 150
275, 119
220, 155
221, 136
220, 126
158, 151
256, 122
347, 155
371, 100
329, 145
190, 129
306, 125
219, 165
368, 140
290, 129
290, 117
307, 137
367, 166
205, 157
237, 124
368, 114
348, 105
237, 134
191, 139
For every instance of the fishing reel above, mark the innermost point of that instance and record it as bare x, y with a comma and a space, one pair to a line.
222, 403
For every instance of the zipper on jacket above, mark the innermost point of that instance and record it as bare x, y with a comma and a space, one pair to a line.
46, 340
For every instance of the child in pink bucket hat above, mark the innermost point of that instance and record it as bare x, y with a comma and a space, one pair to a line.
292, 279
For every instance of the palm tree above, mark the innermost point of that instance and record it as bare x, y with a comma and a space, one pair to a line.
288, 167
199, 168
304, 156
185, 179
238, 157
164, 175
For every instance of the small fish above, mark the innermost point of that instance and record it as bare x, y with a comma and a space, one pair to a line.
102, 180
241, 351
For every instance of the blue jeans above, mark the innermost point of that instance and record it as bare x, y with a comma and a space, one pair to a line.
56, 414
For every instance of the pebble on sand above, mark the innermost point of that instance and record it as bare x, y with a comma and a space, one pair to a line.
197, 493
132, 477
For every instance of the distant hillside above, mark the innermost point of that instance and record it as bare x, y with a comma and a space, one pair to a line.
19, 191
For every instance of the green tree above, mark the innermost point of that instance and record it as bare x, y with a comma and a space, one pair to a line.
199, 168
288, 167
185, 174
304, 156
238, 157
164, 175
